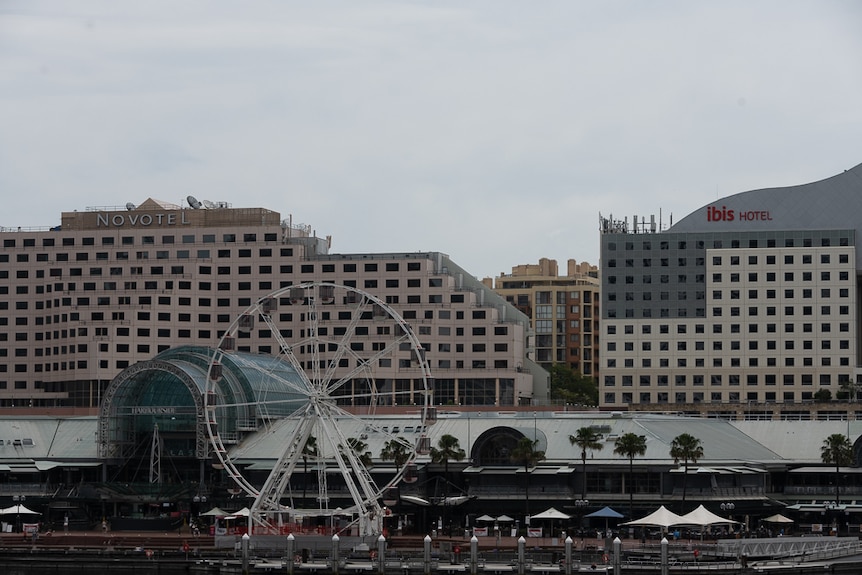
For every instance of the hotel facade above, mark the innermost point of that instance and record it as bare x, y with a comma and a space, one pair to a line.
750, 299
110, 287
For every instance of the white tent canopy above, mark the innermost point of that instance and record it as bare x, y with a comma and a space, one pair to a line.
18, 510
703, 517
778, 518
661, 517
485, 517
215, 512
551, 513
504, 519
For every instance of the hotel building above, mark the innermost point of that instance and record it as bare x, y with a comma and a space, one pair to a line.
110, 287
751, 299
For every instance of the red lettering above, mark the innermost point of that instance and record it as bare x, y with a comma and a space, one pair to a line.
714, 214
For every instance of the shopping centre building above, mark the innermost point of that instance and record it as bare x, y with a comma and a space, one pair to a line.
751, 299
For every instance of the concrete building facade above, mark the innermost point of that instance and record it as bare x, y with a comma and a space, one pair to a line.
109, 287
563, 310
751, 299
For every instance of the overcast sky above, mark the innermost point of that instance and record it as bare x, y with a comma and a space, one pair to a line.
495, 131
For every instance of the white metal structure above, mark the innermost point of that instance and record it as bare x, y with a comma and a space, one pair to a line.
329, 341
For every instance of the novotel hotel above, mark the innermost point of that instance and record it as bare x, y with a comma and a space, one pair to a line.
750, 299
114, 286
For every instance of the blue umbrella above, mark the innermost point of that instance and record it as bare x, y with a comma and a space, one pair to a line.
607, 513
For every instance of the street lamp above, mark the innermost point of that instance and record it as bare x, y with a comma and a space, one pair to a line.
18, 500
728, 507
580, 507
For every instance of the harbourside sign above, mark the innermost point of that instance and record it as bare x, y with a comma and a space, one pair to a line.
141, 220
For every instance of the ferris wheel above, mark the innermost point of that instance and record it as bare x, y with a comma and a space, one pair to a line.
307, 365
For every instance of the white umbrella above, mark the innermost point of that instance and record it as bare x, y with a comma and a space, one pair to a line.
703, 517
551, 513
661, 517
778, 518
18, 510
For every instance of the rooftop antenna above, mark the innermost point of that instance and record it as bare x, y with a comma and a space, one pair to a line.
209, 205
193, 202
130, 206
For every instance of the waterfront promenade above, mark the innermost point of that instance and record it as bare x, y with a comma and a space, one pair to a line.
168, 553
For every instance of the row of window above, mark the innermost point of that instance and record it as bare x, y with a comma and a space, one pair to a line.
789, 259
71, 241
718, 243
717, 328
718, 277
626, 398
717, 379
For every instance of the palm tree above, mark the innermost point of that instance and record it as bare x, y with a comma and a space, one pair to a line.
359, 448
586, 438
685, 447
629, 445
396, 450
308, 450
525, 452
837, 449
448, 448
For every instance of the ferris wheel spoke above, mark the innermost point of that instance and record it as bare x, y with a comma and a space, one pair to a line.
364, 364
359, 481
286, 351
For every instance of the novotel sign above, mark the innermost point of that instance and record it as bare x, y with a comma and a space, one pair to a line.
141, 220
723, 214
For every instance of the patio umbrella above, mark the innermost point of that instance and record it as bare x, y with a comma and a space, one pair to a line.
702, 517
552, 514
778, 518
18, 510
607, 513
661, 517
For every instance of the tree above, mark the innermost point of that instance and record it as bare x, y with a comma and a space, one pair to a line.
837, 449
525, 452
586, 438
570, 386
630, 445
686, 448
396, 450
308, 450
359, 448
448, 449
849, 389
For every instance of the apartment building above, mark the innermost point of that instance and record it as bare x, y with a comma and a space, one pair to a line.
753, 299
112, 286
563, 310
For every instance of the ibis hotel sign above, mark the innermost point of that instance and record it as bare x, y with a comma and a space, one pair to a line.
723, 214
141, 220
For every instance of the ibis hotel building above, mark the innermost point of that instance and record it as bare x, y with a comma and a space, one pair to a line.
110, 287
751, 299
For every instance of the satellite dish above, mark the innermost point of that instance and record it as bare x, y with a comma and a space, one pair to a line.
209, 205
193, 202
130, 206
